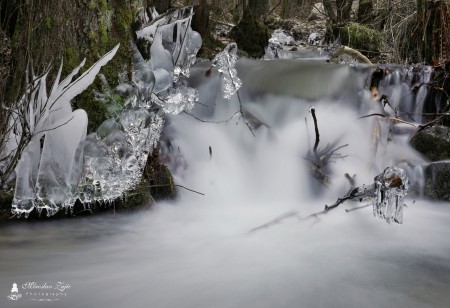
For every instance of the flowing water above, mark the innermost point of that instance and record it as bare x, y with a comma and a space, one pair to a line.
199, 251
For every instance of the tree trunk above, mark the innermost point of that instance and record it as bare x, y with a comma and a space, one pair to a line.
365, 10
161, 6
329, 9
284, 8
200, 20
343, 9
434, 29
48, 31
258, 7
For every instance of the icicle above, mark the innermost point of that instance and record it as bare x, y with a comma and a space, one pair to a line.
391, 188
226, 62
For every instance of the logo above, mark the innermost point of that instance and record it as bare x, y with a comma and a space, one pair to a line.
40, 291
14, 293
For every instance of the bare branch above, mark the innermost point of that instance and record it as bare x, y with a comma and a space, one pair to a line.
316, 129
344, 50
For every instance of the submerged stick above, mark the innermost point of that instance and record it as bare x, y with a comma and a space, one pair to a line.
275, 221
316, 129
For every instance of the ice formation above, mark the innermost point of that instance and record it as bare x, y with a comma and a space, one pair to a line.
115, 156
391, 187
103, 166
173, 49
43, 178
226, 62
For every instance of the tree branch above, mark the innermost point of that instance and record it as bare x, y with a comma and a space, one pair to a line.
344, 50
316, 129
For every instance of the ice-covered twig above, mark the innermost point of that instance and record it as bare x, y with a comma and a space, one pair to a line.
387, 196
242, 114
354, 193
226, 62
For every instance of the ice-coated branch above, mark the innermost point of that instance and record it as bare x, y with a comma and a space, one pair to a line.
387, 195
226, 62
44, 174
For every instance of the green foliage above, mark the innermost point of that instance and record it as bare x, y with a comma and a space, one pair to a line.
359, 37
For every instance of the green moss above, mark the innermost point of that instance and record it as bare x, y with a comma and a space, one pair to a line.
210, 47
72, 59
160, 181
103, 32
103, 6
92, 36
124, 18
360, 37
95, 110
92, 5
6, 198
48, 22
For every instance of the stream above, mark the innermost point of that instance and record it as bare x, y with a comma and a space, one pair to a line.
199, 250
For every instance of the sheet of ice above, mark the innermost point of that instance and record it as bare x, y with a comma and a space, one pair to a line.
61, 162
61, 159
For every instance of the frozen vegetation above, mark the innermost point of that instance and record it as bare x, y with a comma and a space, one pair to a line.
104, 165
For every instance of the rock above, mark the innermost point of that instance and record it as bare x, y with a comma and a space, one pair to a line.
433, 142
314, 38
437, 181
358, 37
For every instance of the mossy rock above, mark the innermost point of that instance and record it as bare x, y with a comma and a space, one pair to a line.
357, 36
210, 47
136, 199
433, 142
251, 36
160, 180
6, 198
437, 181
